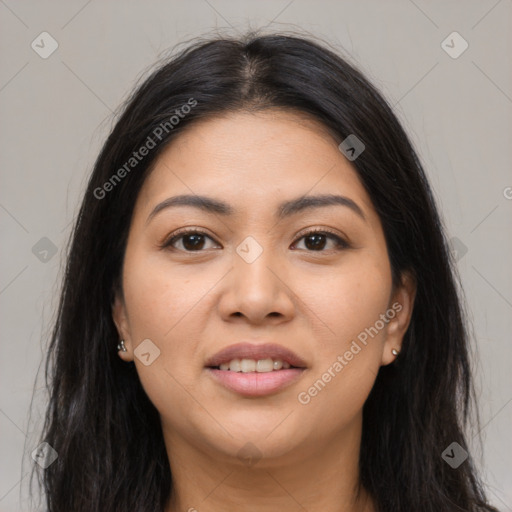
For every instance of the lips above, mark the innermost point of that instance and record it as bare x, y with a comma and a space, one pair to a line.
255, 352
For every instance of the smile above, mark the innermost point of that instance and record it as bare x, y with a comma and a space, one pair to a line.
255, 370
253, 365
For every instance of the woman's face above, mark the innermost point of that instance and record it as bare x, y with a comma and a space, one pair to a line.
253, 277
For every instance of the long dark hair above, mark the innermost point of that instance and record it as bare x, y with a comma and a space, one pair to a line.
111, 454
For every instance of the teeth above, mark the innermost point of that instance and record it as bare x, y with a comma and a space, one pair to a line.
247, 365
264, 365
252, 365
234, 365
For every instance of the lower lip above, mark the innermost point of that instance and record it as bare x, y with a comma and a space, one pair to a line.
255, 383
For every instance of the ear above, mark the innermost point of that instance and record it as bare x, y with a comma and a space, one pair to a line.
120, 317
402, 303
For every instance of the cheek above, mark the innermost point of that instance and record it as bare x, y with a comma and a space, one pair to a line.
160, 307
161, 302
350, 298
349, 304
162, 296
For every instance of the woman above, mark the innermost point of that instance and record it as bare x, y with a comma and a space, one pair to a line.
259, 310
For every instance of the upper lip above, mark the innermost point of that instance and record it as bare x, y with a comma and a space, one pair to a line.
247, 350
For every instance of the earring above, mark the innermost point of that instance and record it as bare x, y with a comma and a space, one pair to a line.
395, 352
121, 346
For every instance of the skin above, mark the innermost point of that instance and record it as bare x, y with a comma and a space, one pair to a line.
315, 302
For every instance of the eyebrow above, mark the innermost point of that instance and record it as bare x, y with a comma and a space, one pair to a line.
285, 209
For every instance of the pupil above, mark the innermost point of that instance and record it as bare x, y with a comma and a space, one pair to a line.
318, 243
197, 243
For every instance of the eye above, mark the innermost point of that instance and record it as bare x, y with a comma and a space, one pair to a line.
316, 240
191, 240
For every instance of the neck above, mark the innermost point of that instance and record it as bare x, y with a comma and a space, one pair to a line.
319, 477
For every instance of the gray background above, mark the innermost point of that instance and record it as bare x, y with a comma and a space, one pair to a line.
56, 112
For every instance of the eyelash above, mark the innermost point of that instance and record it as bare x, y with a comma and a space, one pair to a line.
340, 242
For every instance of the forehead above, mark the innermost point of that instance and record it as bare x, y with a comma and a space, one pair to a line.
253, 158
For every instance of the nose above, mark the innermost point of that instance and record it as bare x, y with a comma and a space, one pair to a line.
259, 292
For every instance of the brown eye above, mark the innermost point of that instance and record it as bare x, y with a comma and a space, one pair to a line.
318, 240
189, 241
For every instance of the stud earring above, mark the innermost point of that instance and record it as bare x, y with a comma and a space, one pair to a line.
121, 346
395, 352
